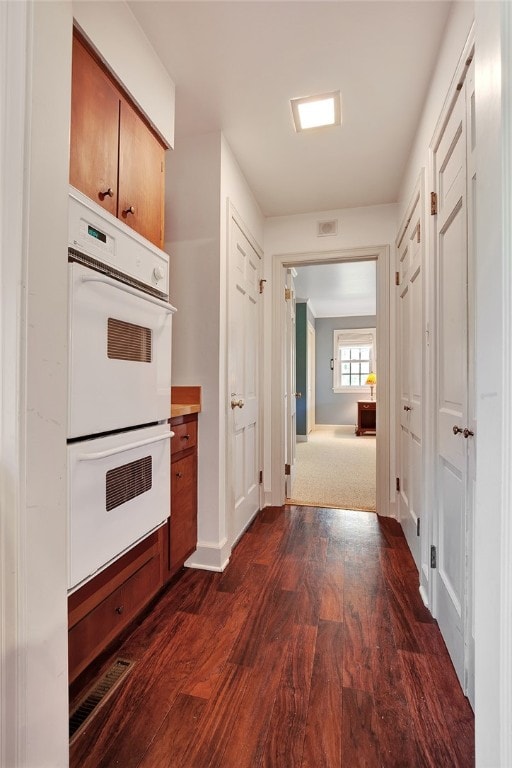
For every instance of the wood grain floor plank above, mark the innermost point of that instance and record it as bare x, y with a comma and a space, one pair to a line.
360, 743
285, 738
428, 717
323, 742
173, 741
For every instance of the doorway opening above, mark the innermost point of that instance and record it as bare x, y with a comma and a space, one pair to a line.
282, 265
333, 309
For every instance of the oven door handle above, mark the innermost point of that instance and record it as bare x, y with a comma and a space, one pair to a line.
132, 291
123, 448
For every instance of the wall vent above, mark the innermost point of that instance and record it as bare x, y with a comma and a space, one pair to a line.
327, 227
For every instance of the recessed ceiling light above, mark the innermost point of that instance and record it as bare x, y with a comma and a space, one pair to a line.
316, 111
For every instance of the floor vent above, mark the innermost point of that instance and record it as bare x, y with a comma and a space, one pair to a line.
97, 695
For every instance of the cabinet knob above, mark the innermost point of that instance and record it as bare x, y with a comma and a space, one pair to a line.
179, 474
107, 193
131, 209
185, 437
120, 609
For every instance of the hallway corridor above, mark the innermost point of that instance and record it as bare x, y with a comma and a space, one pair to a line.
313, 649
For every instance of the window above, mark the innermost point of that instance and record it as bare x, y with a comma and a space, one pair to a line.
353, 359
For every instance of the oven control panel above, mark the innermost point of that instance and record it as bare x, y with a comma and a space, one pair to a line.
97, 234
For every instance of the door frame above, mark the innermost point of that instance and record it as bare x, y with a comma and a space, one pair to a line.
385, 496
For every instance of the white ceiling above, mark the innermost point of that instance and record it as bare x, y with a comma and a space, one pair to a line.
237, 64
338, 290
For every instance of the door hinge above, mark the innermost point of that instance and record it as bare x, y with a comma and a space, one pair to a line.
433, 203
398, 484
288, 294
433, 556
397, 278
287, 469
418, 526
419, 233
261, 476
262, 284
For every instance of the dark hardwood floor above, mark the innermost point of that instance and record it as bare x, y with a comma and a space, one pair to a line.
312, 650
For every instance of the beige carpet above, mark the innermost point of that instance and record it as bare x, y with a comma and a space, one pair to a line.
335, 468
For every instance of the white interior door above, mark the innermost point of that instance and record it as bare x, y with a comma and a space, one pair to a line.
453, 431
290, 394
243, 378
411, 346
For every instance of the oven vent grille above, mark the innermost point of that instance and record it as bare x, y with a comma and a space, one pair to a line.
128, 481
98, 695
126, 341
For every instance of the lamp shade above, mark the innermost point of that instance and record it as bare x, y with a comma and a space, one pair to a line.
371, 380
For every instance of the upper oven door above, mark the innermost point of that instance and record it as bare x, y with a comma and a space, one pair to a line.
120, 355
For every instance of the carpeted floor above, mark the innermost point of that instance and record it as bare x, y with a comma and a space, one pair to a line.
335, 468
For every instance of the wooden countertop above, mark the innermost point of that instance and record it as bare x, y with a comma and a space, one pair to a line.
183, 409
185, 400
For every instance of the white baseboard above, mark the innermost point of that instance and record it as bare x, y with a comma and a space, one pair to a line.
210, 556
302, 438
424, 596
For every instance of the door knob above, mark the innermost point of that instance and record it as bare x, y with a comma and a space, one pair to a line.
298, 394
236, 403
457, 430
407, 408
468, 433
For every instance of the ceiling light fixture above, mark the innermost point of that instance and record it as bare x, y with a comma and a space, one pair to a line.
316, 111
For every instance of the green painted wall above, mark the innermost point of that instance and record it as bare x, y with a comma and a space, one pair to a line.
301, 365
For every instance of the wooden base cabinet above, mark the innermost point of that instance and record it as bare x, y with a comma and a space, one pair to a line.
100, 610
182, 526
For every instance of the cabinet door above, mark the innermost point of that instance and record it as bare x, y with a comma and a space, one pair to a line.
141, 177
183, 509
94, 130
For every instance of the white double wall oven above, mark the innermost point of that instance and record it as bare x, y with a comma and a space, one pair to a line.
119, 388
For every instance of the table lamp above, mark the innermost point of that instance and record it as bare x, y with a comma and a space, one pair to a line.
371, 382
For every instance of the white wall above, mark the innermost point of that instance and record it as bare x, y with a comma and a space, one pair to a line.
202, 175
34, 380
493, 541
373, 225
193, 241
114, 32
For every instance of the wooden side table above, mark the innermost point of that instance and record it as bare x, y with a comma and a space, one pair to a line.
366, 417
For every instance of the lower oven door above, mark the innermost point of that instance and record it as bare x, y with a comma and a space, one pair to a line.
119, 489
119, 354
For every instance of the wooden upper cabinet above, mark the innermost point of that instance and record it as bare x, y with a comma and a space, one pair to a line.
116, 159
141, 176
94, 130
